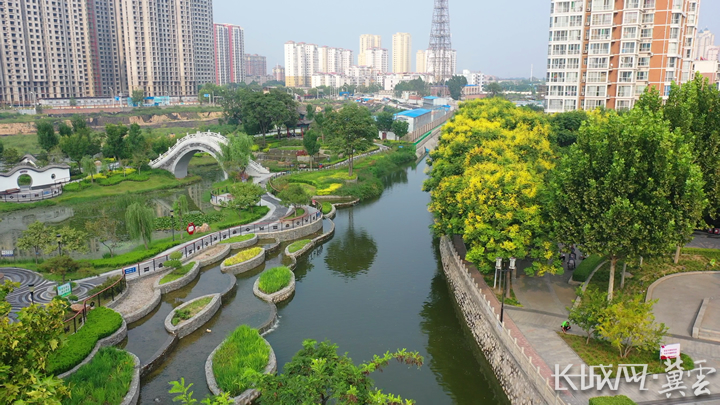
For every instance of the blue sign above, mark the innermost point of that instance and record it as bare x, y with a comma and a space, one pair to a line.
206, 96
130, 270
117, 98
7, 253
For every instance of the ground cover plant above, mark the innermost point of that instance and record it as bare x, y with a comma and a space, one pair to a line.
177, 273
295, 246
189, 311
243, 350
103, 381
583, 270
241, 238
275, 279
242, 256
101, 323
326, 208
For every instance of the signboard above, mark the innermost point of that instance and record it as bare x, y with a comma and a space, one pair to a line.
117, 98
670, 351
7, 253
130, 270
64, 290
191, 228
206, 95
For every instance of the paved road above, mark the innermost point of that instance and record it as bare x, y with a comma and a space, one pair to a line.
705, 240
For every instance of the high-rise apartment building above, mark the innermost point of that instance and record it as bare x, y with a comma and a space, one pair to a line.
421, 61
334, 60
377, 58
255, 65
203, 40
106, 45
229, 54
401, 52
705, 40
713, 52
605, 53
301, 62
45, 52
367, 41
279, 73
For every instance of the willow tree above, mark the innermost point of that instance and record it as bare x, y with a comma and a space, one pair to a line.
628, 187
88, 167
235, 155
140, 222
180, 206
488, 181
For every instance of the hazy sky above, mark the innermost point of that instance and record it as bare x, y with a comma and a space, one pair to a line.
500, 38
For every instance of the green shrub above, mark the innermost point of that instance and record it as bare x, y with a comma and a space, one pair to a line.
275, 279
107, 283
101, 323
179, 272
243, 350
198, 218
190, 310
583, 270
298, 245
243, 256
104, 380
616, 400
241, 238
173, 264
180, 315
134, 256
326, 208
176, 255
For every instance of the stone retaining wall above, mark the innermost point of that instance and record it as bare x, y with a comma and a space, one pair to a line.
247, 396
278, 296
160, 355
519, 377
217, 257
227, 292
189, 326
244, 244
295, 233
244, 266
331, 214
179, 283
142, 312
111, 340
318, 240
133, 395
112, 304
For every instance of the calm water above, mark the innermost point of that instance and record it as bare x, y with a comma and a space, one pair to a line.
377, 285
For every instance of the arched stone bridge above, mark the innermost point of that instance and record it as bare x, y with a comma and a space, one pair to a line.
177, 158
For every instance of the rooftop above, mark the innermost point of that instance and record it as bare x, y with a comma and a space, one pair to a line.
413, 113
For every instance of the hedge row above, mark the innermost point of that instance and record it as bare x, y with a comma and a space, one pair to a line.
134, 256
583, 270
101, 322
616, 400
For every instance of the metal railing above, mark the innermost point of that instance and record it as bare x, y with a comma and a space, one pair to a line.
96, 300
219, 138
33, 195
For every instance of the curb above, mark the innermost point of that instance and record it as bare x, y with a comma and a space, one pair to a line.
189, 326
245, 266
278, 296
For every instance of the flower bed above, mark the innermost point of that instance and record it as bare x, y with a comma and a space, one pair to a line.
295, 246
243, 350
244, 261
275, 279
187, 312
243, 256
177, 274
190, 316
101, 323
241, 238
105, 380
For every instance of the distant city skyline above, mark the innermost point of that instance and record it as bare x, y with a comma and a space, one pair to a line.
487, 36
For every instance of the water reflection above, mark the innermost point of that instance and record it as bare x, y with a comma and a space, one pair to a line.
353, 252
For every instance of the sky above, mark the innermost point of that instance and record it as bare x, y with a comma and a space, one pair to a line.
501, 38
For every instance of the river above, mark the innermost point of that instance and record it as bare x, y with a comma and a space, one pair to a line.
377, 285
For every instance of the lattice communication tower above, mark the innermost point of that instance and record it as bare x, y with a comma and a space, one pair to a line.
441, 42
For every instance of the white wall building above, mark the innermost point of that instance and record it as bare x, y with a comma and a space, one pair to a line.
401, 53
474, 78
301, 62
377, 58
705, 40
421, 61
367, 42
388, 81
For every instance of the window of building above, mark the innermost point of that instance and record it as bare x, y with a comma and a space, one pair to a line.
648, 18
625, 91
600, 49
674, 33
600, 33
646, 47
594, 103
627, 62
595, 91
629, 33
672, 48
632, 4
573, 63
598, 63
642, 75
623, 104
669, 75
601, 19
571, 91
646, 33
602, 5
628, 47
640, 89
648, 3
631, 17
626, 77
596, 77
555, 104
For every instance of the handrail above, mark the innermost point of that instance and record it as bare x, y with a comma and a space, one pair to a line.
83, 312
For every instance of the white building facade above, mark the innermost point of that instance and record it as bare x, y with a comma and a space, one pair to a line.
401, 53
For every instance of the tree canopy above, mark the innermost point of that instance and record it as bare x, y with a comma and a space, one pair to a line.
456, 84
235, 155
351, 130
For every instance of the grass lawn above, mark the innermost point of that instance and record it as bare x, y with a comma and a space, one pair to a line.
190, 310
599, 352
326, 207
241, 238
298, 245
23, 143
233, 218
243, 349
654, 269
103, 381
274, 280
10, 207
176, 274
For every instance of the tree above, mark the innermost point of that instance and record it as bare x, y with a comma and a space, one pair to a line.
400, 129
88, 167
566, 125
64, 129
311, 145
55, 155
71, 240
283, 110
2, 148
25, 346
294, 195
416, 85
36, 238
627, 188
235, 155
590, 311
310, 112
106, 229
259, 111
233, 102
351, 130
138, 97
11, 156
73, 102
47, 139
140, 222
385, 121
61, 266
78, 124
493, 89
79, 145
115, 141
456, 84
135, 140
694, 108
630, 324
180, 206
245, 195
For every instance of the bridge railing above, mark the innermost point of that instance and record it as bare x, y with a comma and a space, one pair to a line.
187, 137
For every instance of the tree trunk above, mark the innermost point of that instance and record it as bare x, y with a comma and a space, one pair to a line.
350, 165
641, 261
677, 254
622, 278
611, 284
508, 286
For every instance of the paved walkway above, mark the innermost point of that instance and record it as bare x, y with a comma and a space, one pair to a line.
139, 294
679, 298
705, 240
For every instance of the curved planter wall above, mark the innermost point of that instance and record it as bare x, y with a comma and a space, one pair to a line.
179, 283
244, 266
243, 244
278, 296
295, 233
216, 257
111, 340
247, 396
133, 395
189, 326
142, 312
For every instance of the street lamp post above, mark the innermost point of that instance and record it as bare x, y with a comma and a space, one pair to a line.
172, 219
499, 267
59, 241
31, 287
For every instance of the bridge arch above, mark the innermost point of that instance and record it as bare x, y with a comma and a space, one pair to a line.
180, 165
